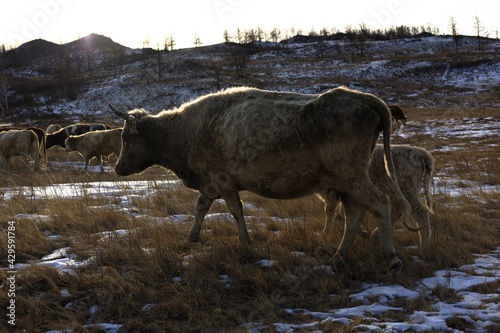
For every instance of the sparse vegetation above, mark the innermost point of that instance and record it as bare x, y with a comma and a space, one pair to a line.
143, 275
149, 279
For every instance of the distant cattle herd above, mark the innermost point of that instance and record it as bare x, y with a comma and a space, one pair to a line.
17, 141
275, 144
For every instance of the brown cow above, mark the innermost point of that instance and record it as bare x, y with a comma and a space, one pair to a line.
276, 144
22, 143
397, 114
57, 138
414, 167
95, 144
42, 138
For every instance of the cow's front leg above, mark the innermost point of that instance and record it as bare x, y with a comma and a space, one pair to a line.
101, 166
201, 209
225, 186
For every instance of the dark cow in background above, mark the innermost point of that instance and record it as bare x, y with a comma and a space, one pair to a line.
22, 143
276, 144
42, 138
397, 114
414, 168
96, 144
59, 137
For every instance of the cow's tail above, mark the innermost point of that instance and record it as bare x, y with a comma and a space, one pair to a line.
43, 149
428, 166
385, 125
34, 150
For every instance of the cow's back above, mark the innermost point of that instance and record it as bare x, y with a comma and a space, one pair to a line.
115, 140
59, 137
277, 144
244, 116
406, 161
100, 142
12, 141
15, 142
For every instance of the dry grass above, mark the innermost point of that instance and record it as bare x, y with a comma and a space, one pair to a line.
153, 264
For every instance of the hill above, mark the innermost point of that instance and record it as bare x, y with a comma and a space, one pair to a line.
97, 252
95, 42
44, 81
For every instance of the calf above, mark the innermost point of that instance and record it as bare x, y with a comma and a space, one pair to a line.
22, 143
414, 167
95, 144
58, 137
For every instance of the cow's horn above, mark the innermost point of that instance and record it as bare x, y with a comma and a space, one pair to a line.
119, 113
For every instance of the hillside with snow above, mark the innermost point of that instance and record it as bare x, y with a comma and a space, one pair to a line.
101, 253
77, 81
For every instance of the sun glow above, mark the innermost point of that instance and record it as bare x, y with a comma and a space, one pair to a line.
130, 24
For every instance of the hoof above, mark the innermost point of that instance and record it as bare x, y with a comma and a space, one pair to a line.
338, 261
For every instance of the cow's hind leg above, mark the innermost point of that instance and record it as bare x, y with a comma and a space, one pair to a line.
201, 209
421, 214
5, 161
353, 214
396, 213
26, 161
331, 199
377, 203
34, 152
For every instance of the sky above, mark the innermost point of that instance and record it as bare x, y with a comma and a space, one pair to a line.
132, 22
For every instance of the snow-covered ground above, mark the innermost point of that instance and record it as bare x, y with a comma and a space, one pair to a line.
479, 310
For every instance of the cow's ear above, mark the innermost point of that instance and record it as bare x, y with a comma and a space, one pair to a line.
132, 124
